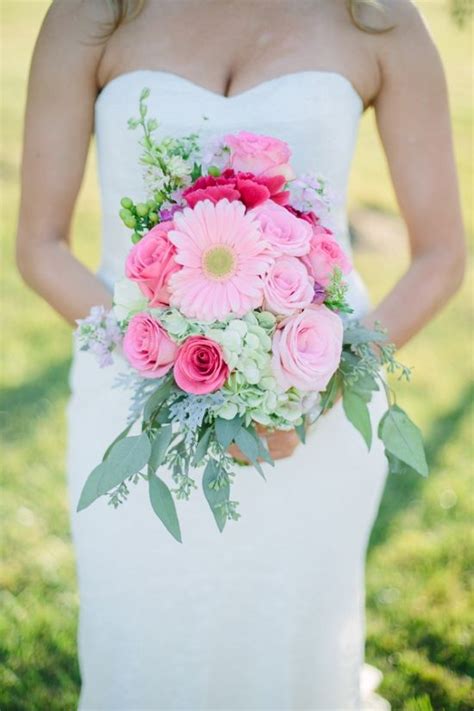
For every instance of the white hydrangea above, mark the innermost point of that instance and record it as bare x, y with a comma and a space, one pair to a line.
128, 299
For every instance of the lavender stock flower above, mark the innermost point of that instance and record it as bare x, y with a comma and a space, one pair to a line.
319, 294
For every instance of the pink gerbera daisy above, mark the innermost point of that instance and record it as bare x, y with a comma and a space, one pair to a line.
221, 250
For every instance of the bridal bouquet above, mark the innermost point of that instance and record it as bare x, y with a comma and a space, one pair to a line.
232, 316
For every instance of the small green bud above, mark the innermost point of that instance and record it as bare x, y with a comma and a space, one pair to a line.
125, 214
141, 209
136, 237
126, 203
214, 171
130, 222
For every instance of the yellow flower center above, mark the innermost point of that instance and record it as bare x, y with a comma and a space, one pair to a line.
219, 262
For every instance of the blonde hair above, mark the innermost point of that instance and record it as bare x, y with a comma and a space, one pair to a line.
126, 10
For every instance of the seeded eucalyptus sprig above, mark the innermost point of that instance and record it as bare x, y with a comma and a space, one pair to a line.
365, 353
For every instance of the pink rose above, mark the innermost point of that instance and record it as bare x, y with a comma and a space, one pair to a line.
307, 349
324, 255
287, 286
285, 233
151, 262
262, 155
147, 346
200, 367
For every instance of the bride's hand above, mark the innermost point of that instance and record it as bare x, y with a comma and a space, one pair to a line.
280, 443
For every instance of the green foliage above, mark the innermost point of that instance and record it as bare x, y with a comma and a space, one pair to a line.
163, 505
215, 484
403, 439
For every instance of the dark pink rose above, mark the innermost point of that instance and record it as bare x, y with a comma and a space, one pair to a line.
310, 217
325, 254
151, 262
250, 189
147, 346
200, 367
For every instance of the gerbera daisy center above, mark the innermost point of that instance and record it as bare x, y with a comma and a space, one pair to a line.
219, 262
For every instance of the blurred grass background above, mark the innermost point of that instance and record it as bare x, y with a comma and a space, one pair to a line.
421, 554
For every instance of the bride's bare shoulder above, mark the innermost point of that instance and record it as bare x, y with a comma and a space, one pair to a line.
82, 21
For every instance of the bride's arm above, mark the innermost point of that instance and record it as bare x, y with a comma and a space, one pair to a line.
58, 125
413, 119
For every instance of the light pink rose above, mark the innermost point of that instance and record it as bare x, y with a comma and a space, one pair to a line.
285, 233
287, 286
147, 346
261, 155
150, 263
200, 367
324, 255
307, 349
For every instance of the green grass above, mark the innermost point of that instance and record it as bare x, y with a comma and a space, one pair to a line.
421, 551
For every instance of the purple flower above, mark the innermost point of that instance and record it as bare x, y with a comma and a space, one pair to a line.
319, 293
167, 213
100, 334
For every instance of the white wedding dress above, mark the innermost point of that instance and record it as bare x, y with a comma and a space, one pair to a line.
269, 614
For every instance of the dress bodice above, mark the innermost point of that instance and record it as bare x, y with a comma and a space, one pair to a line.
316, 112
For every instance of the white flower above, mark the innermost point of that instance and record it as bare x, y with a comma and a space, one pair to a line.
128, 299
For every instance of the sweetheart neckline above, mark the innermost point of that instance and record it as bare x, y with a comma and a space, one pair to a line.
242, 94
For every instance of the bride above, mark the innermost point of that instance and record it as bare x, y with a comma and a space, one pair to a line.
270, 615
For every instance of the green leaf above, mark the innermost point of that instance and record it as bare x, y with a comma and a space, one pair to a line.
126, 458
403, 439
247, 444
396, 466
226, 430
202, 446
163, 505
159, 446
365, 386
157, 398
215, 496
301, 431
355, 334
332, 391
263, 452
90, 491
357, 412
123, 434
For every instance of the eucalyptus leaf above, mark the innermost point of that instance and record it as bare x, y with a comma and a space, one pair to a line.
301, 431
157, 398
355, 334
90, 491
329, 396
403, 439
247, 444
202, 446
123, 434
163, 505
396, 466
126, 458
215, 497
263, 452
159, 446
226, 430
365, 386
357, 413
